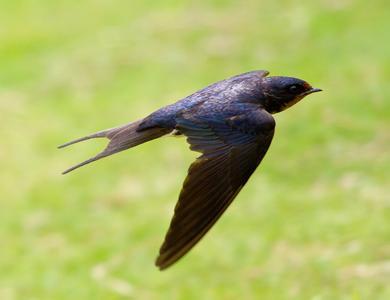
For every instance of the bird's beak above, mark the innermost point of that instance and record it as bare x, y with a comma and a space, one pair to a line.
312, 90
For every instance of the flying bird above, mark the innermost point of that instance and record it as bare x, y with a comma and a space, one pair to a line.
230, 123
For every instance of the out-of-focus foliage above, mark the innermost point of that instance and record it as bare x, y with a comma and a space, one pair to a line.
313, 222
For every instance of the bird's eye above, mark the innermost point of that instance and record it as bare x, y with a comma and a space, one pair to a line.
293, 88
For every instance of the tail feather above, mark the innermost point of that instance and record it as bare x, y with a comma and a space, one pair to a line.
121, 138
100, 134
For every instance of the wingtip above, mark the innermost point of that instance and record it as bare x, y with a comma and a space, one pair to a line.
165, 261
160, 264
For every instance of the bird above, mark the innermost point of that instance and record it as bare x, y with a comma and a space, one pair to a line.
231, 124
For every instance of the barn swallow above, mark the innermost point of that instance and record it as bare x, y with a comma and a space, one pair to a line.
230, 123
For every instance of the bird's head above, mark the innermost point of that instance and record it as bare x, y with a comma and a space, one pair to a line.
282, 92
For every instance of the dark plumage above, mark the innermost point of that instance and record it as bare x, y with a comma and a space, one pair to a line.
230, 123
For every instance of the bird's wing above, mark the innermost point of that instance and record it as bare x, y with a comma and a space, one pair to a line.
231, 150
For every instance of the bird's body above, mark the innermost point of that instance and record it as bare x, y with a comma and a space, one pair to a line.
216, 97
230, 122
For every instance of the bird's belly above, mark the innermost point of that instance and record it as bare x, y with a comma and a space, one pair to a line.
175, 132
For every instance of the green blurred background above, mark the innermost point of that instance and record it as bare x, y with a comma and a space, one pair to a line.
313, 222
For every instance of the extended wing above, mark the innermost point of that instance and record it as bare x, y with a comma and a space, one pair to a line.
231, 150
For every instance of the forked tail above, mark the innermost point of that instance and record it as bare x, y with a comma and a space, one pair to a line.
121, 138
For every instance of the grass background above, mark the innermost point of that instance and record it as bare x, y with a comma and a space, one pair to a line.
312, 223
